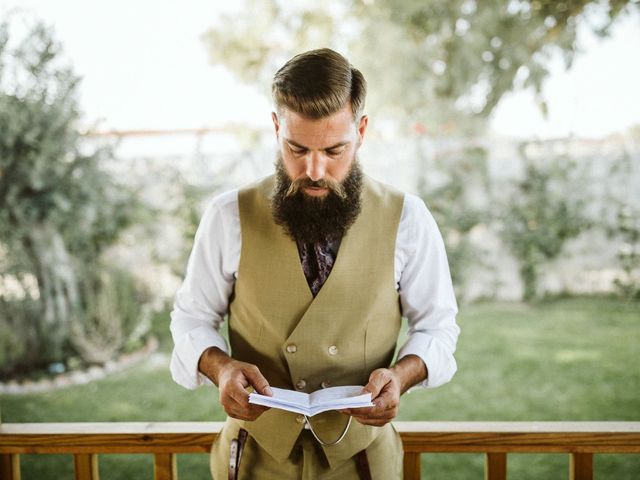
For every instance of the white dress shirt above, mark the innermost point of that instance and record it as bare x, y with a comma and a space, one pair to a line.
422, 279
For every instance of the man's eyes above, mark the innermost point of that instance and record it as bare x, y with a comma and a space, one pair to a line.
335, 153
302, 151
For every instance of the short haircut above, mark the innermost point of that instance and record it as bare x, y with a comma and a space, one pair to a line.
319, 83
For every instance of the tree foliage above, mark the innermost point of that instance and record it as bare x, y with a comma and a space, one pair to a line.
59, 208
436, 62
454, 185
540, 216
620, 218
437, 67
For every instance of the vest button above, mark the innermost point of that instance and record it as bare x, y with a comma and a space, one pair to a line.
333, 350
300, 419
300, 384
325, 384
292, 348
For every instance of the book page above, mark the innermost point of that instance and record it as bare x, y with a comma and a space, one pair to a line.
288, 397
333, 398
341, 395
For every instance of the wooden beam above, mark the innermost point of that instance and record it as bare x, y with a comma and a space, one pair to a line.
86, 466
581, 466
417, 437
411, 466
495, 466
10, 466
165, 467
523, 437
170, 437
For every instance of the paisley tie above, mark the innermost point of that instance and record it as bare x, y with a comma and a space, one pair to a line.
317, 260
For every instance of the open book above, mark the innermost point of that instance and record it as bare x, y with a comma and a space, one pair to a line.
310, 404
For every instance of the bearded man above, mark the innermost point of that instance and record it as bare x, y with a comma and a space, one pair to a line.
315, 267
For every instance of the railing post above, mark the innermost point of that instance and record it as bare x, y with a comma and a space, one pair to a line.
86, 466
495, 466
411, 466
165, 467
581, 466
9, 466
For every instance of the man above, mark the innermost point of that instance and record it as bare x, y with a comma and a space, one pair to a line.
315, 266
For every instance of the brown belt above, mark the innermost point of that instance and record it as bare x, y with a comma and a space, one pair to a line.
237, 446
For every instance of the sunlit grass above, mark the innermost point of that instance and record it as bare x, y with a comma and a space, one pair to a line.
566, 359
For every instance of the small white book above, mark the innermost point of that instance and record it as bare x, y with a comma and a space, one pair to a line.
310, 404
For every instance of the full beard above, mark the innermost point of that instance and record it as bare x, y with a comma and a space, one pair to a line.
308, 219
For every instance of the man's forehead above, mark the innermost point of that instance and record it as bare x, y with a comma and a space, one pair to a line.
320, 140
320, 133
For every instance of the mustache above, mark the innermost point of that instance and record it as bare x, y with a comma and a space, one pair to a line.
335, 187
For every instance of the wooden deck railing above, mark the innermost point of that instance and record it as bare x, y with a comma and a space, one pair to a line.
581, 440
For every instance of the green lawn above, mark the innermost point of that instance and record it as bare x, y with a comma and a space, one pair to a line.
565, 359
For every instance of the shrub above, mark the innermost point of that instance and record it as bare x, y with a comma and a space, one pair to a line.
113, 319
539, 216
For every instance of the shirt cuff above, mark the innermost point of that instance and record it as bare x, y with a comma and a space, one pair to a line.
187, 353
441, 364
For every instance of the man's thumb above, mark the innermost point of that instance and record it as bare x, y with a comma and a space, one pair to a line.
258, 381
377, 380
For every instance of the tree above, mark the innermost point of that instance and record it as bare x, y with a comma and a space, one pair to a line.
620, 217
540, 216
455, 185
59, 208
435, 68
441, 63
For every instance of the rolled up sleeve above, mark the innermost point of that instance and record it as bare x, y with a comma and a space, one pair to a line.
426, 294
203, 298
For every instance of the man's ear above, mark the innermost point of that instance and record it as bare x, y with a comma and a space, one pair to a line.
362, 128
276, 123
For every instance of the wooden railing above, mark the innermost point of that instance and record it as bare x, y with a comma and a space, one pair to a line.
85, 441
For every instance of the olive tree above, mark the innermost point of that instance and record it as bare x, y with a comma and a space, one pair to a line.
59, 208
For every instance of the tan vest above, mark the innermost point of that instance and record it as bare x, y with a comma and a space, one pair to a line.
339, 337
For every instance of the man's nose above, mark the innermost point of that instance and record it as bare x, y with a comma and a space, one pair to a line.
316, 166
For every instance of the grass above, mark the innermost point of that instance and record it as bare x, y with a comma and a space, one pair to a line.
564, 359
569, 359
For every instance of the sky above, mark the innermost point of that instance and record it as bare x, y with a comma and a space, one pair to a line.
597, 96
144, 66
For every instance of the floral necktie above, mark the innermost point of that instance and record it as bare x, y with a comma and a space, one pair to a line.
317, 261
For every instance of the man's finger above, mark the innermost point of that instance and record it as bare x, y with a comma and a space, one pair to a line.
377, 380
246, 411
356, 411
379, 410
373, 422
236, 391
257, 380
364, 412
254, 411
383, 417
258, 408
386, 401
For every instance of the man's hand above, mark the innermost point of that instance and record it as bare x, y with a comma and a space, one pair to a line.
386, 385
232, 378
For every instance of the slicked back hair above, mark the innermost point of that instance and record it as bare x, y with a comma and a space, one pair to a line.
317, 84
